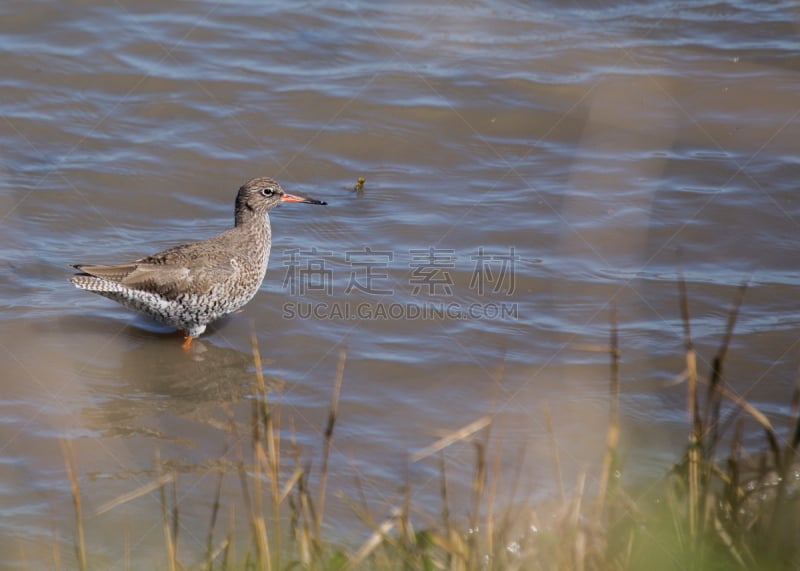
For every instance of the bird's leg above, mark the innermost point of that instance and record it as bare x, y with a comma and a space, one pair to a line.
186, 343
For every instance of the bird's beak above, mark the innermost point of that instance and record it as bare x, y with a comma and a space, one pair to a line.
292, 198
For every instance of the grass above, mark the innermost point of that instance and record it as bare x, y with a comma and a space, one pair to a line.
717, 509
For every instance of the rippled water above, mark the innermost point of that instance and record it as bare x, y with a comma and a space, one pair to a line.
532, 163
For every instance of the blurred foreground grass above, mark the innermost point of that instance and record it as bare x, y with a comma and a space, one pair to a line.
717, 509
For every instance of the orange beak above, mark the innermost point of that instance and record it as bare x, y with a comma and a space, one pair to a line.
293, 198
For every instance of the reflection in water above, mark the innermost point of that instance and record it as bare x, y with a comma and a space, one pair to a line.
158, 376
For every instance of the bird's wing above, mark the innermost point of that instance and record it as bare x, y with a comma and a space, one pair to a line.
177, 270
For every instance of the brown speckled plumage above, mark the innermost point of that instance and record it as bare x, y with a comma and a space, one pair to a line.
193, 284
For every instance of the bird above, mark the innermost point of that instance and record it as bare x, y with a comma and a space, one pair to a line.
190, 285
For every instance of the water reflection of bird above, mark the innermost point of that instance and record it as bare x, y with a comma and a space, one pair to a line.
191, 285
147, 391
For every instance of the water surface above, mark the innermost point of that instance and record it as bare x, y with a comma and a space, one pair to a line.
536, 163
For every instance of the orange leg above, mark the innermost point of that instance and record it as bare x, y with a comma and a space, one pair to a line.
186, 343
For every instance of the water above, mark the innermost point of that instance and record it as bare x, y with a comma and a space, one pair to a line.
590, 154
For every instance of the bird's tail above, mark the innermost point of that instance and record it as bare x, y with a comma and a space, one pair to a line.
92, 283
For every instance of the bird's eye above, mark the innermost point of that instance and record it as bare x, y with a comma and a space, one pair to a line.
267, 191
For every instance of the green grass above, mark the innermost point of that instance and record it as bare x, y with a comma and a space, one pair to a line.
705, 515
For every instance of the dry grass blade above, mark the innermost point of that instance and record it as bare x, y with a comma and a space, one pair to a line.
259, 525
269, 459
733, 491
301, 516
272, 435
374, 540
443, 492
23, 558
733, 315
759, 417
714, 396
261, 461
575, 512
694, 414
551, 435
253, 516
162, 480
727, 541
678, 379
478, 487
452, 438
691, 360
266, 460
404, 528
781, 517
172, 563
70, 463
210, 553
612, 436
795, 414
222, 547
175, 514
323, 476
290, 484
491, 532
257, 360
